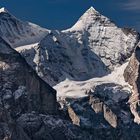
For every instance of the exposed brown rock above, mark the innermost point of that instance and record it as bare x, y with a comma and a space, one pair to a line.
132, 76
75, 119
110, 116
96, 104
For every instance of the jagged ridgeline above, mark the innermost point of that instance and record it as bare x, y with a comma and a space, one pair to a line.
93, 47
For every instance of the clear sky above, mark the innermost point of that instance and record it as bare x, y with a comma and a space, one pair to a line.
62, 14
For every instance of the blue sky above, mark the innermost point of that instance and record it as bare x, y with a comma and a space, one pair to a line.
62, 14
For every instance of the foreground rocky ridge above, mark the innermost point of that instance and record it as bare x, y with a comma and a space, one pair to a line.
17, 76
28, 106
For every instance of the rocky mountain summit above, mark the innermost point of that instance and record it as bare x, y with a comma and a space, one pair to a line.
93, 68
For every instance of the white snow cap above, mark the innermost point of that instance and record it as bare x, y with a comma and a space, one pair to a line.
91, 9
3, 10
85, 19
91, 12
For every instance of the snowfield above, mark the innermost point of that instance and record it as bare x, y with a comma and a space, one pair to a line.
76, 89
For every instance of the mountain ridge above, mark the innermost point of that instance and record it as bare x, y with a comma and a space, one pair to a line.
17, 32
79, 53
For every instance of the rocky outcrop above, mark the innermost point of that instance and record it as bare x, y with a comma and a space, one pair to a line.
131, 76
107, 100
105, 113
50, 128
32, 126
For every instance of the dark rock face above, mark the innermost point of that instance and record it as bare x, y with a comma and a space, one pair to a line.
105, 113
32, 126
20, 83
108, 101
48, 127
28, 104
132, 76
21, 90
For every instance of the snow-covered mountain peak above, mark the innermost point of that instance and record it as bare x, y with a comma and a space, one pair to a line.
3, 10
93, 47
91, 18
91, 10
